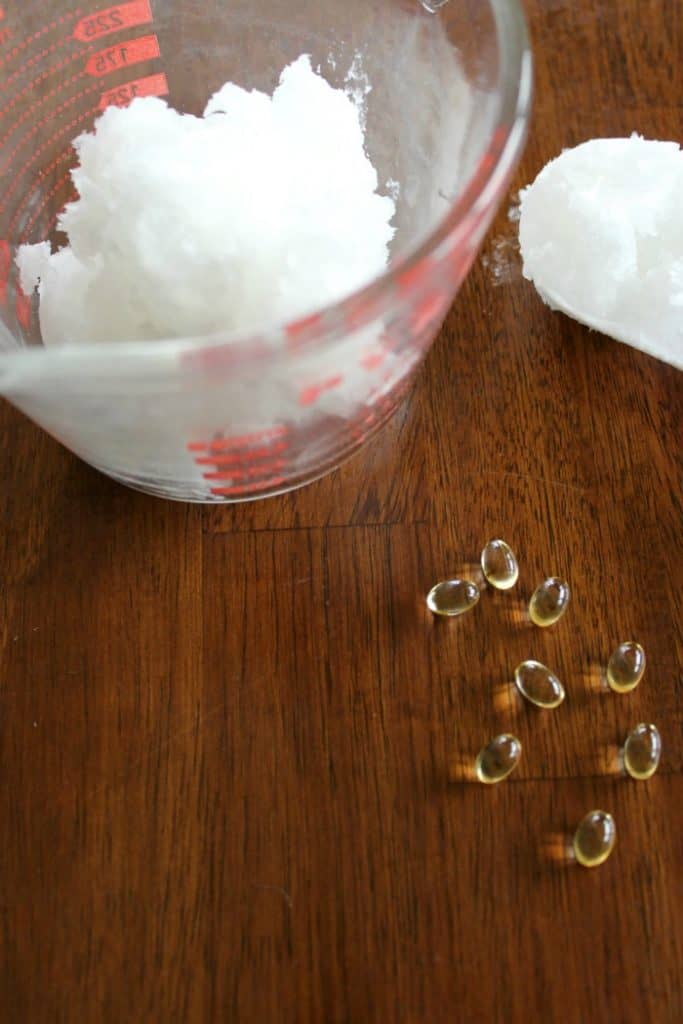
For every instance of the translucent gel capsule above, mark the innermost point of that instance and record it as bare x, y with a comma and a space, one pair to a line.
549, 602
498, 758
452, 597
539, 685
626, 667
499, 565
594, 839
642, 751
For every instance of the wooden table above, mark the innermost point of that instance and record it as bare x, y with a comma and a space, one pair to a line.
226, 734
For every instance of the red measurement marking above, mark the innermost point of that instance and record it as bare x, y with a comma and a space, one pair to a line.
30, 87
37, 58
52, 223
23, 310
5, 263
303, 327
427, 312
41, 149
152, 85
116, 57
249, 455
412, 277
223, 443
31, 110
65, 154
372, 360
310, 395
57, 23
253, 473
2, 13
226, 492
113, 19
247, 468
44, 202
37, 127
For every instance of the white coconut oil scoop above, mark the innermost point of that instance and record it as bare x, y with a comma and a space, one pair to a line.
601, 235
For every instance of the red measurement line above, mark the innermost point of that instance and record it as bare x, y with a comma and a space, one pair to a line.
37, 59
38, 152
222, 443
303, 326
31, 110
23, 309
59, 66
250, 454
43, 203
5, 266
41, 32
245, 474
372, 360
40, 124
65, 154
310, 395
152, 85
227, 492
55, 216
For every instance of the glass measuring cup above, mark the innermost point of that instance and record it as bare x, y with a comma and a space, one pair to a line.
231, 417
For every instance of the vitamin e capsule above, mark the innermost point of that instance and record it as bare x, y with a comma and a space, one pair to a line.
498, 758
452, 597
594, 839
626, 667
549, 602
539, 685
499, 565
642, 751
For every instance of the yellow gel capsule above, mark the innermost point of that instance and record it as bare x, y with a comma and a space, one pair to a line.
626, 667
594, 839
549, 602
498, 758
499, 565
452, 597
539, 685
642, 751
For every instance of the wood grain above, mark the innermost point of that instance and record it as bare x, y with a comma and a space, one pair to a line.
227, 734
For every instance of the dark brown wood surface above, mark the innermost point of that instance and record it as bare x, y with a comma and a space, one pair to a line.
226, 735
